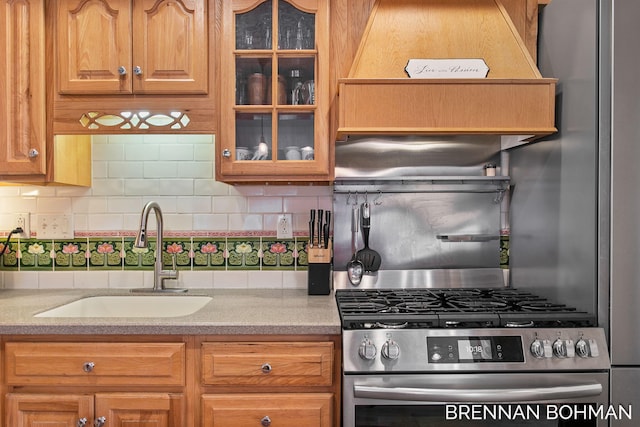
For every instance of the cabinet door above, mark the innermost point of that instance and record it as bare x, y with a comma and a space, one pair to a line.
34, 410
140, 409
282, 410
170, 48
274, 91
22, 91
94, 46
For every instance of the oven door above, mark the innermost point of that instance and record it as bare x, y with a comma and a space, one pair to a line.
475, 400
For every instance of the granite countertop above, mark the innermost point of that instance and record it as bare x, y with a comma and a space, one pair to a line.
242, 311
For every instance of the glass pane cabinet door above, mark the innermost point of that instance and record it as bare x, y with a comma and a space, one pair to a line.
275, 104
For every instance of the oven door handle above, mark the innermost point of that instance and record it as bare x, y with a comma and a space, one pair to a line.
482, 395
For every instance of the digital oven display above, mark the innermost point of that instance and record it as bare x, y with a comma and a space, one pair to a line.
475, 349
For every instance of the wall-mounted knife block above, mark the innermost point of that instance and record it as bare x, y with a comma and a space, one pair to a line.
319, 273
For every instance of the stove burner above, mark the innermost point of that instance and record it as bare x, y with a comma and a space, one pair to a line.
453, 308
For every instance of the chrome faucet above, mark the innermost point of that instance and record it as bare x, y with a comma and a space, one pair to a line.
159, 274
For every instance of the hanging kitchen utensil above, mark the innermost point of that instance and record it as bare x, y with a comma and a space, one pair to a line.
355, 269
367, 256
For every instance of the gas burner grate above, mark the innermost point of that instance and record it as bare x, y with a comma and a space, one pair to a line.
453, 308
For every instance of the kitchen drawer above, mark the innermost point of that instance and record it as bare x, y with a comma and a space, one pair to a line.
277, 409
268, 363
92, 363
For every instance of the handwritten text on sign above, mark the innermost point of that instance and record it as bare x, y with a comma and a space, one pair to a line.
446, 68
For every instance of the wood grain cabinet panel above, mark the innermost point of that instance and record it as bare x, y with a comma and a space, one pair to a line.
126, 47
282, 410
268, 363
22, 88
95, 364
113, 409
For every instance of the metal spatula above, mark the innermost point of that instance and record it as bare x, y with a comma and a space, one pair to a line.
367, 256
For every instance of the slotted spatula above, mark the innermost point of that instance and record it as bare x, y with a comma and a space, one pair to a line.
369, 258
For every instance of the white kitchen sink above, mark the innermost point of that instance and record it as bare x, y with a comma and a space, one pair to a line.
130, 306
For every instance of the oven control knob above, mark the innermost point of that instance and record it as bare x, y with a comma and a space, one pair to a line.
390, 350
367, 350
560, 348
582, 348
537, 349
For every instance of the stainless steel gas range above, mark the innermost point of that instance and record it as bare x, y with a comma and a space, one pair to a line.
481, 356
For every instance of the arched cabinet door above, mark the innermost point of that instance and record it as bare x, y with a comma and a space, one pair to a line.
274, 99
126, 47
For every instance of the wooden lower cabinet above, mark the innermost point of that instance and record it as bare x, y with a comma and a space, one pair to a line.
170, 381
265, 409
264, 383
103, 409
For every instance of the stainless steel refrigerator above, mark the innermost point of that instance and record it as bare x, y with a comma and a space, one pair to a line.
625, 206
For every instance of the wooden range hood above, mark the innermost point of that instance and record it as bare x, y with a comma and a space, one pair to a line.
379, 98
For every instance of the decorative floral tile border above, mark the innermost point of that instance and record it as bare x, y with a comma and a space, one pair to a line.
182, 253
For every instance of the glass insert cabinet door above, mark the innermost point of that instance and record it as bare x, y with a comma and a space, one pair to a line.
274, 107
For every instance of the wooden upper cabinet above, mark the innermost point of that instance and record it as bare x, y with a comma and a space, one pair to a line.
126, 47
274, 91
22, 89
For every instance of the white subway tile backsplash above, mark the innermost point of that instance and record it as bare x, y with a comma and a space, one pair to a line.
210, 222
196, 279
127, 279
89, 204
210, 187
55, 280
20, 280
203, 152
141, 187
294, 279
177, 171
108, 151
194, 170
122, 169
239, 222
91, 279
160, 169
105, 222
192, 205
141, 152
107, 187
176, 152
124, 204
175, 187
265, 279
54, 205
231, 280
229, 204
264, 204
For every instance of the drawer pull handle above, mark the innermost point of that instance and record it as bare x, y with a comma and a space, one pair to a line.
266, 369
265, 421
88, 366
99, 422
82, 422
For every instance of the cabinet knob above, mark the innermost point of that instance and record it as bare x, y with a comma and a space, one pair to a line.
137, 70
266, 368
88, 366
122, 70
33, 153
265, 421
226, 153
99, 422
82, 422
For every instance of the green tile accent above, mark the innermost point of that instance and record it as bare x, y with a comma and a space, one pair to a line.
188, 253
243, 254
